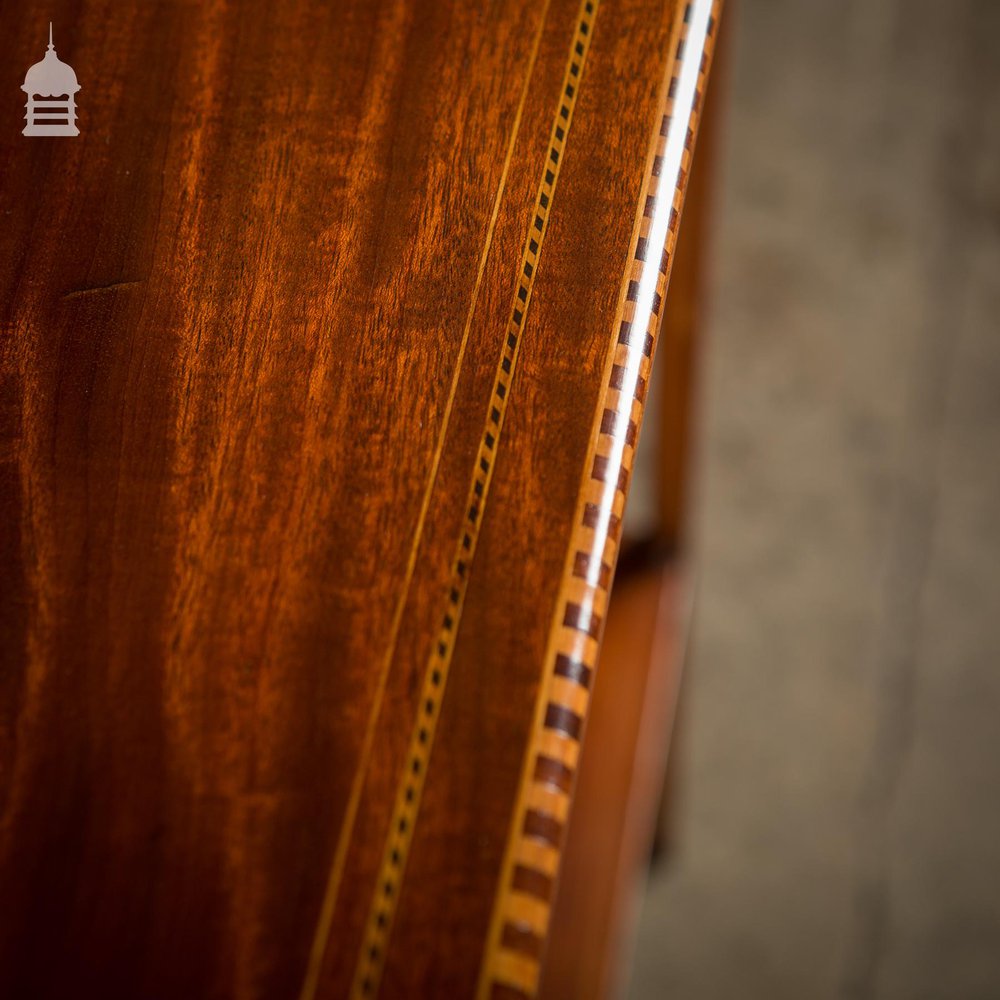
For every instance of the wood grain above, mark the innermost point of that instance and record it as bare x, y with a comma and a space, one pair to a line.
251, 320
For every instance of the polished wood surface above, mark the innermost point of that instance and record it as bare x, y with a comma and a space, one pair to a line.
623, 799
611, 828
307, 345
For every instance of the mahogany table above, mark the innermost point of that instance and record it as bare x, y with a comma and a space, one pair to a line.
323, 354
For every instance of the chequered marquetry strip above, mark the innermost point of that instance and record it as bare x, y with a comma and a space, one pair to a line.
525, 895
371, 960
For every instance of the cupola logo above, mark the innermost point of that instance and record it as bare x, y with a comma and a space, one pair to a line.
51, 86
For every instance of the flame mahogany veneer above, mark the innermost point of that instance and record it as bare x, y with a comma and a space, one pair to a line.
324, 348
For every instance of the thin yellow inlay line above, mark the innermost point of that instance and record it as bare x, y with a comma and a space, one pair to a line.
324, 924
382, 909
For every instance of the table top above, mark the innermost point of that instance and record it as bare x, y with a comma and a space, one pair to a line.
324, 348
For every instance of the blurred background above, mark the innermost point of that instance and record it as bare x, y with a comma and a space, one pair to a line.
836, 804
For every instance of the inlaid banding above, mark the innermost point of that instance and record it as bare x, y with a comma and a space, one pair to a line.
594, 544
368, 968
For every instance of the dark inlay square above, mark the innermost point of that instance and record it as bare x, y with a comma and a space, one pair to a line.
573, 669
522, 939
504, 991
505, 365
533, 245
562, 720
543, 827
576, 617
549, 771
532, 882
494, 416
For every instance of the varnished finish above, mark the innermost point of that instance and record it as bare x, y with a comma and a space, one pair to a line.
254, 320
610, 832
562, 704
